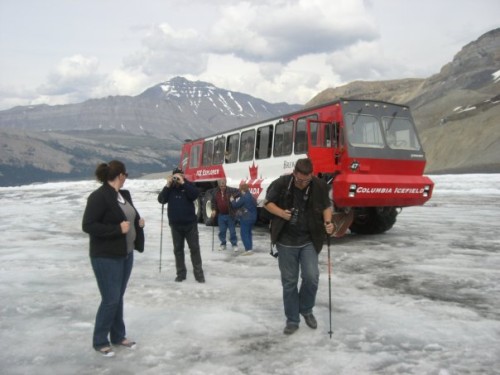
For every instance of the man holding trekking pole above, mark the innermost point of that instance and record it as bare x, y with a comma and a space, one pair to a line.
301, 220
180, 195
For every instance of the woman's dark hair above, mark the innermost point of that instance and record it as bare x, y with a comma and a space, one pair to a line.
109, 171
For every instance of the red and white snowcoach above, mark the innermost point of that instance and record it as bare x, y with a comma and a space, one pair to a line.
367, 151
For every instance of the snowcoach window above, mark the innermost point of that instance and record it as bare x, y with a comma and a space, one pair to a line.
233, 142
218, 157
208, 149
194, 158
184, 160
247, 145
363, 131
283, 137
264, 142
321, 134
300, 145
400, 134
336, 134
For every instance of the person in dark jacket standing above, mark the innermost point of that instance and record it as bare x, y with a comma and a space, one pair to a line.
302, 218
115, 229
180, 194
221, 207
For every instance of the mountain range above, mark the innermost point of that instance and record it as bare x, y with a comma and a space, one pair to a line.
456, 111
42, 143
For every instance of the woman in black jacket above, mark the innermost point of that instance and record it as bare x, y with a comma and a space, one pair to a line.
115, 229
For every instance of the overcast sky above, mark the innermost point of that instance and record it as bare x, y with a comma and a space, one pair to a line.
60, 51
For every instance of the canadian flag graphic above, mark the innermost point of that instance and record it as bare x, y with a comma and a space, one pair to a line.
254, 182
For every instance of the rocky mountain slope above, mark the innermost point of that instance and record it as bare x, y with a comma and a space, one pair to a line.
457, 111
179, 108
33, 156
40, 143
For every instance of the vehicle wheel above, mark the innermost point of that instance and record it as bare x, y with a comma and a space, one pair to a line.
263, 217
197, 209
373, 220
206, 211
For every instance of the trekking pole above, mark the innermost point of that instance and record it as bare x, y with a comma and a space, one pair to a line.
161, 234
329, 285
213, 234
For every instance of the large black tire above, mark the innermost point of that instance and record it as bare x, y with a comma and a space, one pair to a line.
373, 220
263, 216
206, 210
197, 209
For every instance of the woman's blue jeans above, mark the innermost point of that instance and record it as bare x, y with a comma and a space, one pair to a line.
112, 276
292, 260
246, 233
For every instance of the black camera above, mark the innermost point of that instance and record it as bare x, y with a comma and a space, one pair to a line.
295, 216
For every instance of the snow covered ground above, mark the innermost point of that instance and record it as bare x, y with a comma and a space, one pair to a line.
423, 298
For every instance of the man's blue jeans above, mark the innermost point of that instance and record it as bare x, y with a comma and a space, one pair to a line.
112, 276
292, 260
225, 222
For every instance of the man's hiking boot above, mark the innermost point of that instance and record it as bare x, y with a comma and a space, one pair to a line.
310, 321
200, 279
290, 329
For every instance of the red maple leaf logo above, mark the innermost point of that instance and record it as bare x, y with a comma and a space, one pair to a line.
253, 171
254, 182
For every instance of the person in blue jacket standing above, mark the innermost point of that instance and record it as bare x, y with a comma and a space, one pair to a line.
247, 214
180, 195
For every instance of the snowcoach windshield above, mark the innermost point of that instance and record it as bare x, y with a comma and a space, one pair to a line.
363, 131
379, 135
400, 134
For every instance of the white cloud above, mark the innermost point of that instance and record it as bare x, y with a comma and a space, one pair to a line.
296, 82
123, 82
363, 60
266, 32
75, 74
270, 70
167, 52
273, 50
279, 50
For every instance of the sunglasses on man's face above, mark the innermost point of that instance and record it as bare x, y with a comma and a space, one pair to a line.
303, 180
